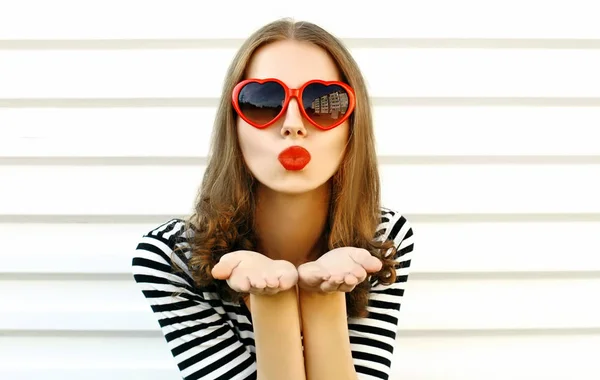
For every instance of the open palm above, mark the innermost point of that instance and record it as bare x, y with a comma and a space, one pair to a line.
340, 269
254, 273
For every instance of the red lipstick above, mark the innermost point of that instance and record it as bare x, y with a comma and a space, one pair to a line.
294, 158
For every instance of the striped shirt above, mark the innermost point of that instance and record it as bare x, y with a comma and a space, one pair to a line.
210, 338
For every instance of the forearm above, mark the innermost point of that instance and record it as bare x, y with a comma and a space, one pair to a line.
276, 324
327, 351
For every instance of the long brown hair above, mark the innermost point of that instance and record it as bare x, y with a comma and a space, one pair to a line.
223, 216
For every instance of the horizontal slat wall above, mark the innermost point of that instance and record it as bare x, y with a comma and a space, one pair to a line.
113, 305
141, 358
109, 304
187, 19
486, 123
425, 131
426, 189
512, 249
390, 73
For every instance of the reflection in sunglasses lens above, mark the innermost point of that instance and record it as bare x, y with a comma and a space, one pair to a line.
261, 103
325, 105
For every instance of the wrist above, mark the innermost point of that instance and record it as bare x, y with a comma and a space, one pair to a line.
323, 312
311, 297
284, 297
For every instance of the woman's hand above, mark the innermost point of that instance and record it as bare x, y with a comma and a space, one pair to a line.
340, 269
254, 273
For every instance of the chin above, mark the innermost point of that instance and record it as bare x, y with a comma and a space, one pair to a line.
293, 187
294, 183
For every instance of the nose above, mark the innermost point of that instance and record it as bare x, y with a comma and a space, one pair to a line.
293, 123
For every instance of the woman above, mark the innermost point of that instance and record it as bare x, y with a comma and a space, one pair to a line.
271, 276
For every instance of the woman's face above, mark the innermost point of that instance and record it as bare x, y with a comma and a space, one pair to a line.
294, 63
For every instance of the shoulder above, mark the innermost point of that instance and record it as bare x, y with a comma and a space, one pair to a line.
394, 226
164, 248
170, 232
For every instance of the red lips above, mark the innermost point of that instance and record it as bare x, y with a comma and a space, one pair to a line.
294, 158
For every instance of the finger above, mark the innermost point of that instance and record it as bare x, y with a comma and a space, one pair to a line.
287, 279
272, 281
329, 286
286, 274
346, 288
359, 272
256, 291
271, 291
364, 258
314, 273
350, 280
223, 269
349, 283
257, 281
337, 278
333, 284
272, 285
240, 284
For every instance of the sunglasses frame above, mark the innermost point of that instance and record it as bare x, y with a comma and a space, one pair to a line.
293, 93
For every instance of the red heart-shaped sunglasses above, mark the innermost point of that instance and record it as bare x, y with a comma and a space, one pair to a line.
325, 104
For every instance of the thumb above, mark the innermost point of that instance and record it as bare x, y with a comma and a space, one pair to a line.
226, 265
369, 262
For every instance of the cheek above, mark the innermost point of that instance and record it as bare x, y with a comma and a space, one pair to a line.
245, 137
331, 146
252, 143
339, 139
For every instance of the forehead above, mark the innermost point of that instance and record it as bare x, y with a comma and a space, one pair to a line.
293, 62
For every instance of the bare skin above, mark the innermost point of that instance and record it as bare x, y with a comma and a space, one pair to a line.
289, 288
338, 270
298, 239
308, 300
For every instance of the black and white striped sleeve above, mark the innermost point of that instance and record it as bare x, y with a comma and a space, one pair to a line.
373, 338
202, 342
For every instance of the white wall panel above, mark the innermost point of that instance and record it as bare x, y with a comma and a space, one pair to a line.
436, 305
185, 132
115, 19
416, 189
389, 73
83, 356
486, 115
520, 357
516, 248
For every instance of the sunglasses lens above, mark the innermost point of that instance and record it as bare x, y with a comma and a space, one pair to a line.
261, 102
325, 104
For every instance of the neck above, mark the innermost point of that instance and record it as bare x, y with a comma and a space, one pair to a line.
291, 226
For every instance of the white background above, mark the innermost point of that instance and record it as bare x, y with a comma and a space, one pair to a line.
487, 121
